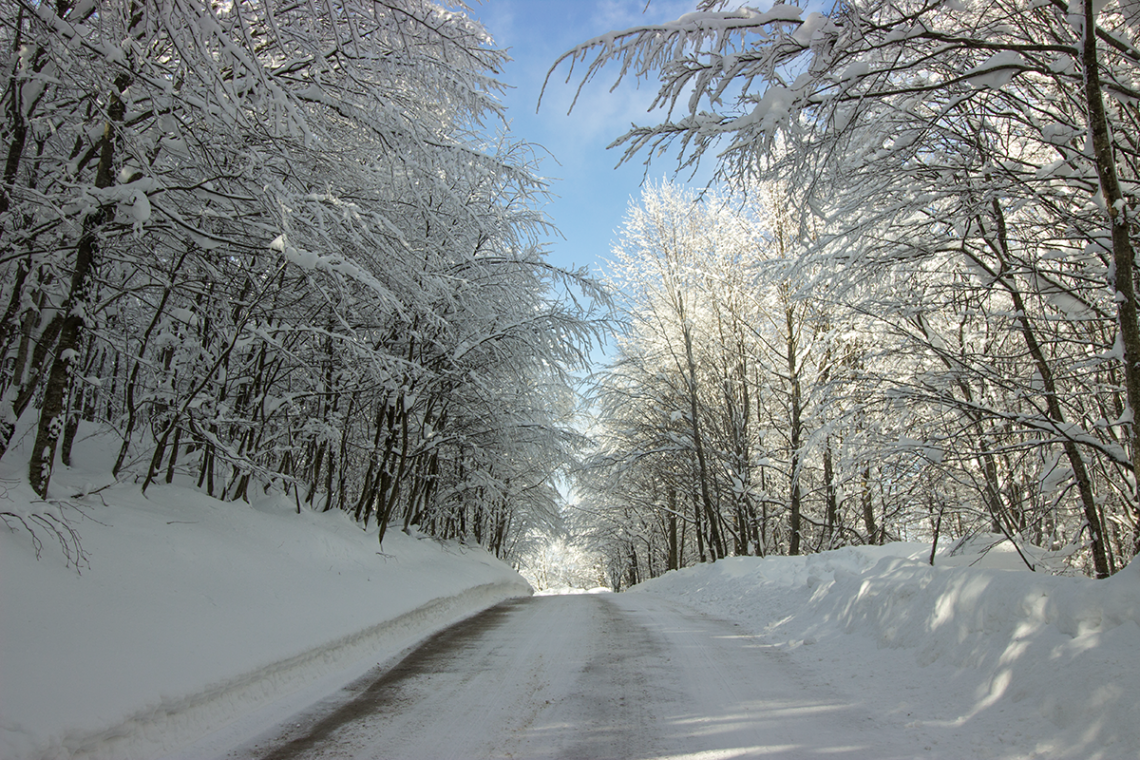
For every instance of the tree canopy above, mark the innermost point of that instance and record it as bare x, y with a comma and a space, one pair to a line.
958, 195
283, 245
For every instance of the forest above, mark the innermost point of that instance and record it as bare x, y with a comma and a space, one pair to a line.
268, 246
906, 307
262, 245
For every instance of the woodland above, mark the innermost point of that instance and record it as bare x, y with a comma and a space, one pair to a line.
291, 246
906, 307
267, 245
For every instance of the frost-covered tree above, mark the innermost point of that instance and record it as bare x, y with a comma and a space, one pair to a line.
981, 157
720, 363
280, 244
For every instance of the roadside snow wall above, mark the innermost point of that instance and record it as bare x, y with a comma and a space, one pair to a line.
191, 612
1042, 665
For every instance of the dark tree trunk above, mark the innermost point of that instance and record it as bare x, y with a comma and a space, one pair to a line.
72, 329
794, 495
869, 508
672, 561
716, 543
1123, 270
832, 496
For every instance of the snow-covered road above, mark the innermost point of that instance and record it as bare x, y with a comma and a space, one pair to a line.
590, 676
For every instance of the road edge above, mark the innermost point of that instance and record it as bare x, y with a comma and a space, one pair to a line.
176, 725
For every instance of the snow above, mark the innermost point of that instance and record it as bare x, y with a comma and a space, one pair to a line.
570, 591
189, 612
807, 31
860, 653
997, 70
194, 625
976, 655
139, 210
771, 111
778, 13
855, 71
597, 677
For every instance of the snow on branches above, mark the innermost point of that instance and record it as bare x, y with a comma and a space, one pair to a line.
271, 244
965, 177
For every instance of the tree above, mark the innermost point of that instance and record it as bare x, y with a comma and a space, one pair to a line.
270, 247
930, 132
719, 360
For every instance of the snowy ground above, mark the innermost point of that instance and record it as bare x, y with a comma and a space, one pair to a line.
189, 612
857, 654
192, 618
587, 677
963, 659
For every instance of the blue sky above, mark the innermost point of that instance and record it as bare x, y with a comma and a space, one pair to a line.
590, 196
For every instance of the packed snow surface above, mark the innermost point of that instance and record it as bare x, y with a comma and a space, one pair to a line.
863, 654
586, 677
189, 612
975, 657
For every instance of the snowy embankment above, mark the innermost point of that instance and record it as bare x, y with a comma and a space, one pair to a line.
189, 612
971, 652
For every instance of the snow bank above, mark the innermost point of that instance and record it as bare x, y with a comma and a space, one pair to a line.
193, 612
1022, 664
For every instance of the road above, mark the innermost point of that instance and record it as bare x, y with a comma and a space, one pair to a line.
587, 677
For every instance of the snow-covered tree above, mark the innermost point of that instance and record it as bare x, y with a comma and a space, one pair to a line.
722, 416
275, 243
976, 169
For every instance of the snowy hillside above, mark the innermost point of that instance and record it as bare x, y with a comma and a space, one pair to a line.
975, 652
188, 612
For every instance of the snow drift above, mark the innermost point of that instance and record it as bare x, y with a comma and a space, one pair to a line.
1004, 661
189, 612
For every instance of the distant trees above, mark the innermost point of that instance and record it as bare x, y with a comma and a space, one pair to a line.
270, 243
720, 417
976, 168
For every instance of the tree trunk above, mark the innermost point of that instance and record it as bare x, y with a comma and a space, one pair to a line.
697, 528
1123, 257
832, 493
672, 562
794, 495
1052, 404
869, 507
71, 331
716, 542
